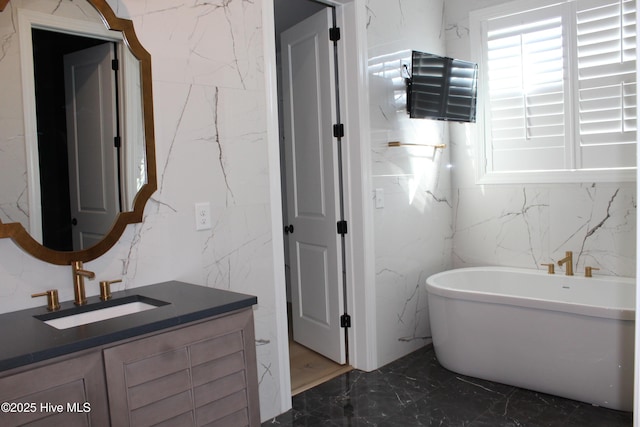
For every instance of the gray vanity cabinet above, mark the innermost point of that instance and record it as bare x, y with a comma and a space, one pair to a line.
201, 374
56, 393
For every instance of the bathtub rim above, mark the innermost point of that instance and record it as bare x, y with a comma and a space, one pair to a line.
613, 313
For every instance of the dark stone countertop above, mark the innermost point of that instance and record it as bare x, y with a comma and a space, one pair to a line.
25, 339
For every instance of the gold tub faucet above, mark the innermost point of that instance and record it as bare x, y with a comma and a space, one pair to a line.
550, 268
568, 259
78, 282
588, 271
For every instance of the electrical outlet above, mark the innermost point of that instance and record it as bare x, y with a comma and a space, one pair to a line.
203, 216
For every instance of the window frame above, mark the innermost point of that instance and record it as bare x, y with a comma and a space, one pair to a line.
484, 175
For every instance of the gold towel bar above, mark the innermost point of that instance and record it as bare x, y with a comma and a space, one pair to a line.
402, 144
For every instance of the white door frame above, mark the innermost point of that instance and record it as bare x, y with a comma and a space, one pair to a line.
351, 17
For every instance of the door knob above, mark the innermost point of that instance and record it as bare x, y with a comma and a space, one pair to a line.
74, 221
288, 229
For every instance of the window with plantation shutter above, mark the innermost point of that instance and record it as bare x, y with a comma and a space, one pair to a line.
558, 90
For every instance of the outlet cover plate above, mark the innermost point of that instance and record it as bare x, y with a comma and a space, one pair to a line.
203, 216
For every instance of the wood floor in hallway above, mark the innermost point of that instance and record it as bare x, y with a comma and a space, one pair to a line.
309, 369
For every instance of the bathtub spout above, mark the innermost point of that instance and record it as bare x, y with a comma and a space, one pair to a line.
568, 259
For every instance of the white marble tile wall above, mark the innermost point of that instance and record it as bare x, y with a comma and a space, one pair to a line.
527, 225
208, 88
413, 230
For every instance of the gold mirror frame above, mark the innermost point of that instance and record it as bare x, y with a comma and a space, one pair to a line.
19, 234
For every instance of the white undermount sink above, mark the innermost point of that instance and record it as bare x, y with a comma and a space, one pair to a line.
86, 317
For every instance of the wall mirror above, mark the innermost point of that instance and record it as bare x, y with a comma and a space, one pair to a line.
77, 153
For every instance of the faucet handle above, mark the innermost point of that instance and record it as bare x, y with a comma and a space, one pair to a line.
588, 270
105, 289
551, 268
53, 303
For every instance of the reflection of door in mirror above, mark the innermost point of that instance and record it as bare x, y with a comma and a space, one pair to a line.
93, 142
77, 118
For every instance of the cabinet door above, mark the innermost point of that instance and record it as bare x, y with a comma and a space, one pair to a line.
70, 393
200, 375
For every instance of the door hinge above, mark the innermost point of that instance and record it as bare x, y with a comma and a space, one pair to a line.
115, 65
345, 321
338, 130
342, 227
117, 141
334, 34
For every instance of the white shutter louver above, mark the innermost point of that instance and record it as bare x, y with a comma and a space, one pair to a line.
606, 62
527, 91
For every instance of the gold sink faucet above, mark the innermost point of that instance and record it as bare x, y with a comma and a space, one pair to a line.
568, 259
78, 282
53, 303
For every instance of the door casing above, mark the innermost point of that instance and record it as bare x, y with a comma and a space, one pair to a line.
351, 17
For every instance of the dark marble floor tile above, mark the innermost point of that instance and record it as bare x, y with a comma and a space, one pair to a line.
458, 403
523, 407
417, 391
593, 416
419, 370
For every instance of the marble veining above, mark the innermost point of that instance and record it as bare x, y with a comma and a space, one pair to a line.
415, 310
217, 138
370, 13
439, 199
522, 213
163, 169
591, 230
416, 391
458, 30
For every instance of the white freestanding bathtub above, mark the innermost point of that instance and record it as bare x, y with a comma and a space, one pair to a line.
569, 336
